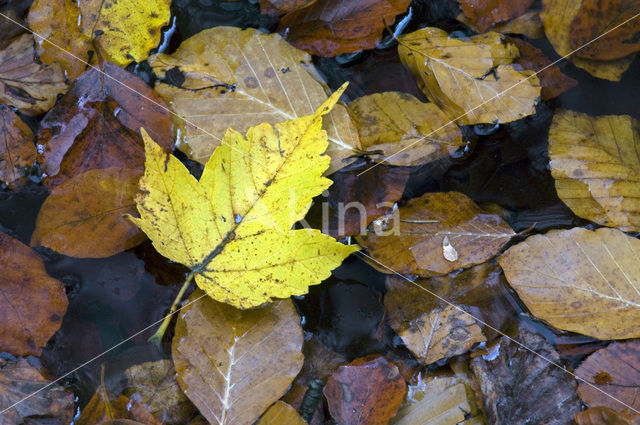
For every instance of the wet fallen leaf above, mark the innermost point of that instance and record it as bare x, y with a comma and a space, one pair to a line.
330, 27
96, 125
438, 401
233, 364
367, 391
281, 7
14, 11
411, 238
399, 129
281, 414
615, 371
601, 415
20, 379
595, 166
24, 82
83, 217
485, 13
552, 81
471, 81
103, 409
123, 31
27, 292
356, 198
17, 150
527, 24
520, 387
236, 78
579, 280
594, 18
242, 207
154, 385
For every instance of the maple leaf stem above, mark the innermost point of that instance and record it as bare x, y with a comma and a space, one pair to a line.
156, 338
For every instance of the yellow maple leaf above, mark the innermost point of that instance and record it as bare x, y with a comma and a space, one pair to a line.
233, 227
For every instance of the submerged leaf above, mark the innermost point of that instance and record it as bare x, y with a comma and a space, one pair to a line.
485, 13
17, 150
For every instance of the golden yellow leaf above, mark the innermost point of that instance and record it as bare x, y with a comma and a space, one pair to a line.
281, 413
239, 78
579, 280
596, 167
398, 124
471, 81
233, 227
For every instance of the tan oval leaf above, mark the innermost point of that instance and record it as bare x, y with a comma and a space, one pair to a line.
281, 414
579, 280
17, 150
233, 364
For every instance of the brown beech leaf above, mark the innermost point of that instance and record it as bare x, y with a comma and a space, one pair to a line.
367, 391
17, 150
24, 82
356, 199
83, 217
579, 280
32, 304
601, 415
241, 78
14, 10
20, 379
102, 409
330, 27
281, 7
96, 125
615, 370
596, 168
435, 234
486, 13
232, 363
552, 81
438, 401
280, 413
527, 24
154, 385
473, 81
520, 387
594, 18
399, 129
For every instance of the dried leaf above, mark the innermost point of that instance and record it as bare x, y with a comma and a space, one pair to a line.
330, 27
471, 81
27, 292
485, 13
233, 364
399, 126
240, 78
596, 168
17, 150
83, 217
20, 379
96, 125
367, 391
24, 82
411, 240
520, 387
281, 414
605, 416
103, 409
579, 280
615, 371
281, 7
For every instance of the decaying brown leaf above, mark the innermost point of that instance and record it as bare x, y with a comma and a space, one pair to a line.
399, 129
601, 415
281, 7
473, 81
83, 217
240, 78
32, 304
17, 150
596, 167
485, 13
520, 387
615, 370
527, 24
20, 379
280, 413
104, 409
436, 234
97, 123
233, 364
330, 27
579, 280
367, 391
24, 82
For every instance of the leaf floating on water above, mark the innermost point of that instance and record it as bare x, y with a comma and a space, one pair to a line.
280, 413
601, 415
485, 13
